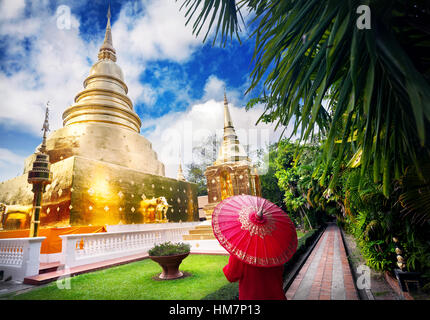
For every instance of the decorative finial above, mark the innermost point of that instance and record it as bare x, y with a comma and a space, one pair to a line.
45, 129
180, 175
228, 123
106, 50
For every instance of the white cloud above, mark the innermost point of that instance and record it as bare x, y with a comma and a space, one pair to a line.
178, 132
11, 164
158, 33
11, 9
147, 31
214, 88
51, 64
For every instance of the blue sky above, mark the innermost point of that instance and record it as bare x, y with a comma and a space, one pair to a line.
175, 81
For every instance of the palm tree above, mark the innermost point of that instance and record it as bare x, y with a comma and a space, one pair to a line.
367, 91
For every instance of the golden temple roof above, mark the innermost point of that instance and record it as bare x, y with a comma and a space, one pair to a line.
107, 50
104, 98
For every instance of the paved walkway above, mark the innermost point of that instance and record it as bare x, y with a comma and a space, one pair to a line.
326, 274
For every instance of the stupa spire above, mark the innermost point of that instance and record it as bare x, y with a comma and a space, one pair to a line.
107, 50
231, 150
180, 175
228, 123
45, 129
104, 98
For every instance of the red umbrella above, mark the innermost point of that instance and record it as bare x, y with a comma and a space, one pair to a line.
254, 230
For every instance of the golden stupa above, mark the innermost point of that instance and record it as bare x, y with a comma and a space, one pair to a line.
233, 172
104, 171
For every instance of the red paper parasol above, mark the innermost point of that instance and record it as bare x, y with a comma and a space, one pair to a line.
254, 230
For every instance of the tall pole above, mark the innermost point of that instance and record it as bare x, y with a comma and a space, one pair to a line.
39, 176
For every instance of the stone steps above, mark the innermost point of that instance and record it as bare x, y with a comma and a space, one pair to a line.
50, 267
201, 232
204, 227
198, 237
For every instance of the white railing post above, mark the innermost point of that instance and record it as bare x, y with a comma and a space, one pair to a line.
20, 257
32, 256
69, 250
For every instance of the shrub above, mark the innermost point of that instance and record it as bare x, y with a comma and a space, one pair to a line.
169, 249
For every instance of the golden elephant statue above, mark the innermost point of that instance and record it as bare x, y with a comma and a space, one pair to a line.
154, 210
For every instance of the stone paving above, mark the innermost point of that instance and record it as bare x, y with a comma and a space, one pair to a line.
326, 274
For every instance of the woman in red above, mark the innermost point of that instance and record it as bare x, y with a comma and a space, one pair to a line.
255, 283
260, 238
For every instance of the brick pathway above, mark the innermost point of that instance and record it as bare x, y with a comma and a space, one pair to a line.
326, 274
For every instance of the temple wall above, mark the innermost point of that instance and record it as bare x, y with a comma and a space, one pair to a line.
89, 192
55, 200
110, 194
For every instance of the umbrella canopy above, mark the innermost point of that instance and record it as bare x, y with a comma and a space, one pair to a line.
254, 230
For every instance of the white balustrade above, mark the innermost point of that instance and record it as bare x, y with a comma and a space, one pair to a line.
81, 249
19, 257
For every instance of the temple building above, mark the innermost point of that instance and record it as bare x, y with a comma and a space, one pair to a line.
233, 172
104, 171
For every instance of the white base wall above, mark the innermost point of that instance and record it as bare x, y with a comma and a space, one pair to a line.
206, 246
49, 258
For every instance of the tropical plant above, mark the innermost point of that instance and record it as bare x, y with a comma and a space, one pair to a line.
269, 183
416, 196
375, 81
364, 92
196, 173
303, 196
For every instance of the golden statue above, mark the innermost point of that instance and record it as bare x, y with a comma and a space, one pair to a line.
154, 210
226, 185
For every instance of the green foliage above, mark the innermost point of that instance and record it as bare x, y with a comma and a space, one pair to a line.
303, 196
375, 82
364, 93
169, 249
196, 173
269, 183
416, 196
374, 220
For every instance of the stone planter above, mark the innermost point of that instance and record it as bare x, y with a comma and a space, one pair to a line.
170, 265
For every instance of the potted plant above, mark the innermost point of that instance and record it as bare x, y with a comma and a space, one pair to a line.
169, 256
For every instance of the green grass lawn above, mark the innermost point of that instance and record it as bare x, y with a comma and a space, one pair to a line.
134, 281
